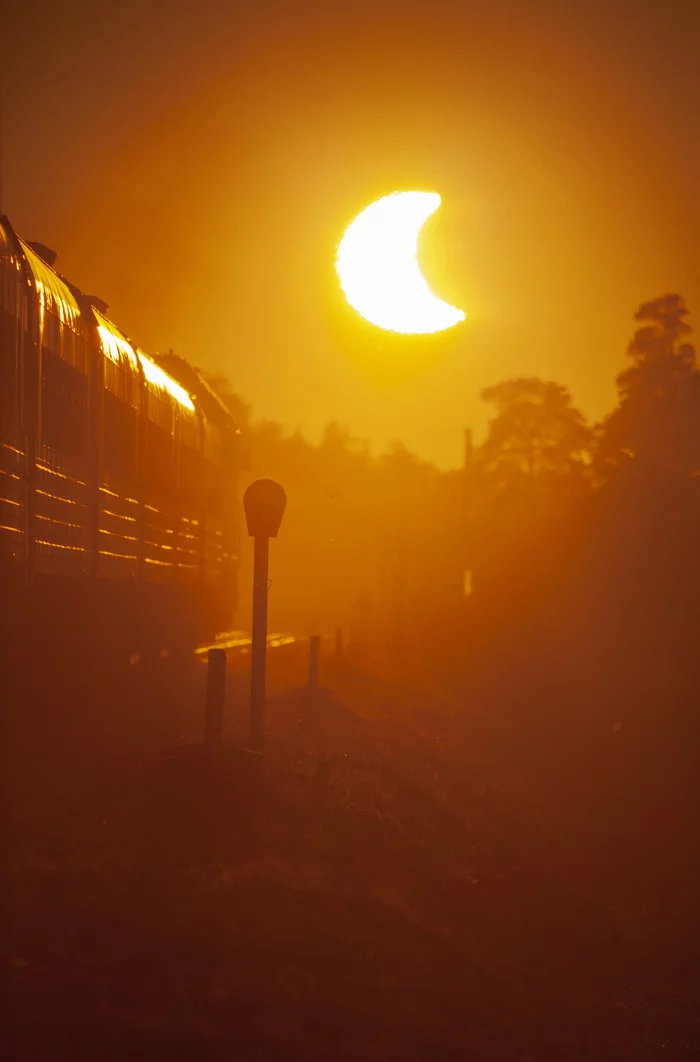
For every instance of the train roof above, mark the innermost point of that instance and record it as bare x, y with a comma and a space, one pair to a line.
115, 345
54, 294
183, 383
213, 407
118, 348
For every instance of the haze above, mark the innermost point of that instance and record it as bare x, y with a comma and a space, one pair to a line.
146, 145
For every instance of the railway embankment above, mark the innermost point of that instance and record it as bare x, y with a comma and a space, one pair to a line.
387, 884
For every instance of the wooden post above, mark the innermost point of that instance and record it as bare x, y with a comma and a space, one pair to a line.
314, 653
258, 649
216, 689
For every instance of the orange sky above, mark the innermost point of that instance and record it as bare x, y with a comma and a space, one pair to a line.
195, 165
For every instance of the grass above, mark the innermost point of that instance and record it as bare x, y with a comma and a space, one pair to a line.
389, 887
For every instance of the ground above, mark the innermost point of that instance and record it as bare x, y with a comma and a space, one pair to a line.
392, 882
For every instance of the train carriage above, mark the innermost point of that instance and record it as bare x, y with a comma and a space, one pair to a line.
116, 488
13, 328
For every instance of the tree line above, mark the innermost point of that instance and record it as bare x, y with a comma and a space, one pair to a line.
562, 550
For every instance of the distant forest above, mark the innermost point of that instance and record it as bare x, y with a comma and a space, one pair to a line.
563, 556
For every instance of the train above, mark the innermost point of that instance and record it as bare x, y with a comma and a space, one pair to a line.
119, 526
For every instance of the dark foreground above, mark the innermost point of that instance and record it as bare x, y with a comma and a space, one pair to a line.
396, 883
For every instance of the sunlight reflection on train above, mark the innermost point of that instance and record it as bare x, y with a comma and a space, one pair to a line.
242, 641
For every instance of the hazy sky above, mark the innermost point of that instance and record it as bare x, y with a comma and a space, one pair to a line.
195, 163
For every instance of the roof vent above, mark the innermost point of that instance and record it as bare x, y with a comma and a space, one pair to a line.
44, 252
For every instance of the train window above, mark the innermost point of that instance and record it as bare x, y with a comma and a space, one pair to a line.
67, 345
9, 287
74, 348
70, 348
52, 333
160, 464
64, 407
191, 486
9, 376
120, 439
160, 410
189, 429
213, 490
122, 383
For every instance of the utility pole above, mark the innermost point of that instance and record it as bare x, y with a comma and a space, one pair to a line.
466, 502
468, 465
314, 655
264, 502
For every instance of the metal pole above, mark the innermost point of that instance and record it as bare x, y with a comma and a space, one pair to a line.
216, 689
314, 653
259, 646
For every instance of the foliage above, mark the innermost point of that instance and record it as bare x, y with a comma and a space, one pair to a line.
541, 536
537, 432
656, 426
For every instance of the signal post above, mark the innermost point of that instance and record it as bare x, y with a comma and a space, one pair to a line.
264, 502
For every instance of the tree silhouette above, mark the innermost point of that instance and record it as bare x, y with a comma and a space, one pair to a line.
537, 434
656, 426
527, 489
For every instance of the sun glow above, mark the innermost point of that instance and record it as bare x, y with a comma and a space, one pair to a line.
377, 264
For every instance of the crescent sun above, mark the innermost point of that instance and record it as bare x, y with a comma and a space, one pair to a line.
377, 264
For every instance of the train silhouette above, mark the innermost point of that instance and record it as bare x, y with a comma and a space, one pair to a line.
118, 494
